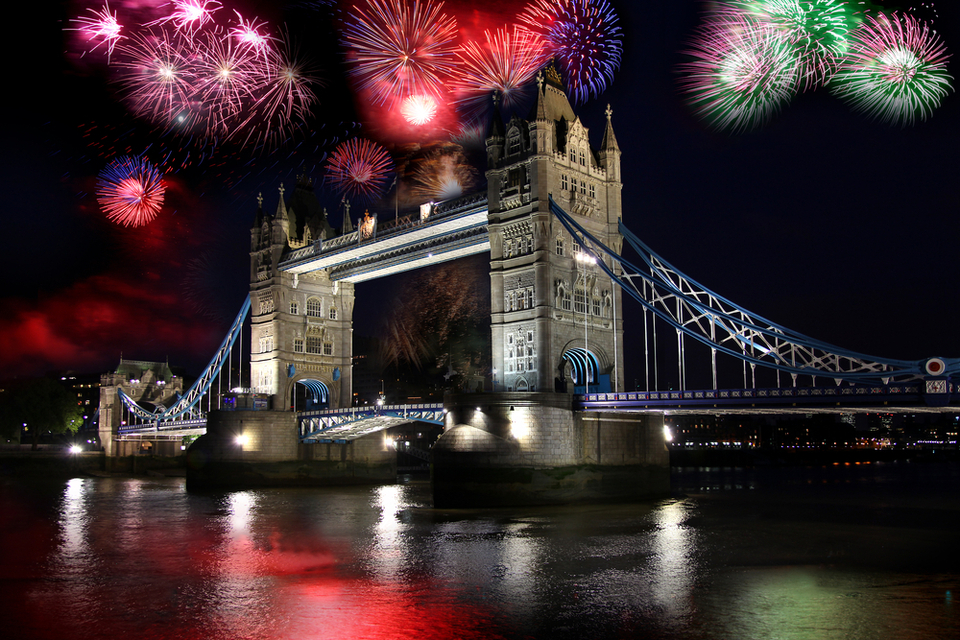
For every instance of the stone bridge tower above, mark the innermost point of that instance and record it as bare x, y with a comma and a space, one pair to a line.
554, 317
301, 326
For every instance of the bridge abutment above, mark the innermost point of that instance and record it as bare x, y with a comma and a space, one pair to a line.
245, 449
504, 449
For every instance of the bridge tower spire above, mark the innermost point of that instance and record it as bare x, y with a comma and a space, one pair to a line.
552, 315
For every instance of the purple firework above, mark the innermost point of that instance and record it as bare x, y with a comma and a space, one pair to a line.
584, 38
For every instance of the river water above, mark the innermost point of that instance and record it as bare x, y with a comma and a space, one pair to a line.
846, 552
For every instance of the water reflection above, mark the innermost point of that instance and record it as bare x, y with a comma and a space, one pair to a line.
142, 558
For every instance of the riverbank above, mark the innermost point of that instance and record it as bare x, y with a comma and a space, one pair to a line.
708, 457
61, 464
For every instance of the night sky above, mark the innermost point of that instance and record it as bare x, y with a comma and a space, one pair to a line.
824, 221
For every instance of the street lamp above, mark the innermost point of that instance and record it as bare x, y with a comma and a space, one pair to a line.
583, 259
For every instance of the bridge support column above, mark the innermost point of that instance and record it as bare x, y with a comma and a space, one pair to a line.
507, 449
244, 449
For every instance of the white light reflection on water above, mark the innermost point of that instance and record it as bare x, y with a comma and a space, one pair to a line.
672, 568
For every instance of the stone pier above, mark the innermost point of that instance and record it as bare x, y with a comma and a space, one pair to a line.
246, 449
506, 449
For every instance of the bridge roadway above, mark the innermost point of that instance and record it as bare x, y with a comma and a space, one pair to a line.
344, 425
451, 230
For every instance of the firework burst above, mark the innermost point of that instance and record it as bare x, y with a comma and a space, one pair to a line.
895, 71
418, 110
359, 168
130, 191
156, 70
189, 15
443, 174
583, 36
396, 49
504, 63
101, 28
818, 29
740, 73
227, 76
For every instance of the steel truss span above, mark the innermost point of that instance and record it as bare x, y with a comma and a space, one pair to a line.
199, 389
695, 311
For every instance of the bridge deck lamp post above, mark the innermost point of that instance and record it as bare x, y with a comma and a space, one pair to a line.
583, 259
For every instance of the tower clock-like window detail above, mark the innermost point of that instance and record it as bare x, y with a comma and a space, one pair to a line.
314, 308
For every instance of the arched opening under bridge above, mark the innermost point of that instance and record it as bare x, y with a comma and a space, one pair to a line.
309, 394
585, 371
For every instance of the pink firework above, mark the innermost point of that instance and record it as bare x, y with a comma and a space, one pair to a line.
418, 110
397, 49
190, 14
156, 70
130, 191
248, 34
284, 96
359, 167
504, 63
102, 28
226, 77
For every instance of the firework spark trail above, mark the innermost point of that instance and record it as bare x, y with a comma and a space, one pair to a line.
818, 29
156, 71
504, 63
189, 15
130, 191
227, 77
740, 73
102, 26
359, 167
895, 70
285, 97
583, 36
396, 49
248, 35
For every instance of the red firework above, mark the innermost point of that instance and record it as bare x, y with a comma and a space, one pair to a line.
130, 191
102, 27
359, 167
397, 49
504, 63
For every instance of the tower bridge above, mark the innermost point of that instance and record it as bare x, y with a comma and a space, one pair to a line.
551, 221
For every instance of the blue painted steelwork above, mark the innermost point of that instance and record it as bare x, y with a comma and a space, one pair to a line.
585, 366
319, 393
890, 398
183, 427
343, 425
199, 389
728, 328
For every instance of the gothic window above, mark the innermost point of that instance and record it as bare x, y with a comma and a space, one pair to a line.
573, 155
529, 337
514, 178
314, 308
266, 344
294, 308
298, 345
513, 144
313, 344
564, 184
596, 306
579, 300
333, 313
583, 159
573, 185
559, 246
565, 302
593, 191
508, 248
328, 348
583, 187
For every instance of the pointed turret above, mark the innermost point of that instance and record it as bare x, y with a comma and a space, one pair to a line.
609, 138
496, 136
609, 150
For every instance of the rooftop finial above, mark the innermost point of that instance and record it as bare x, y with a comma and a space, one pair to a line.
609, 112
260, 200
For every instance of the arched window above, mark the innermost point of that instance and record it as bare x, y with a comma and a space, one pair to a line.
559, 246
314, 308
